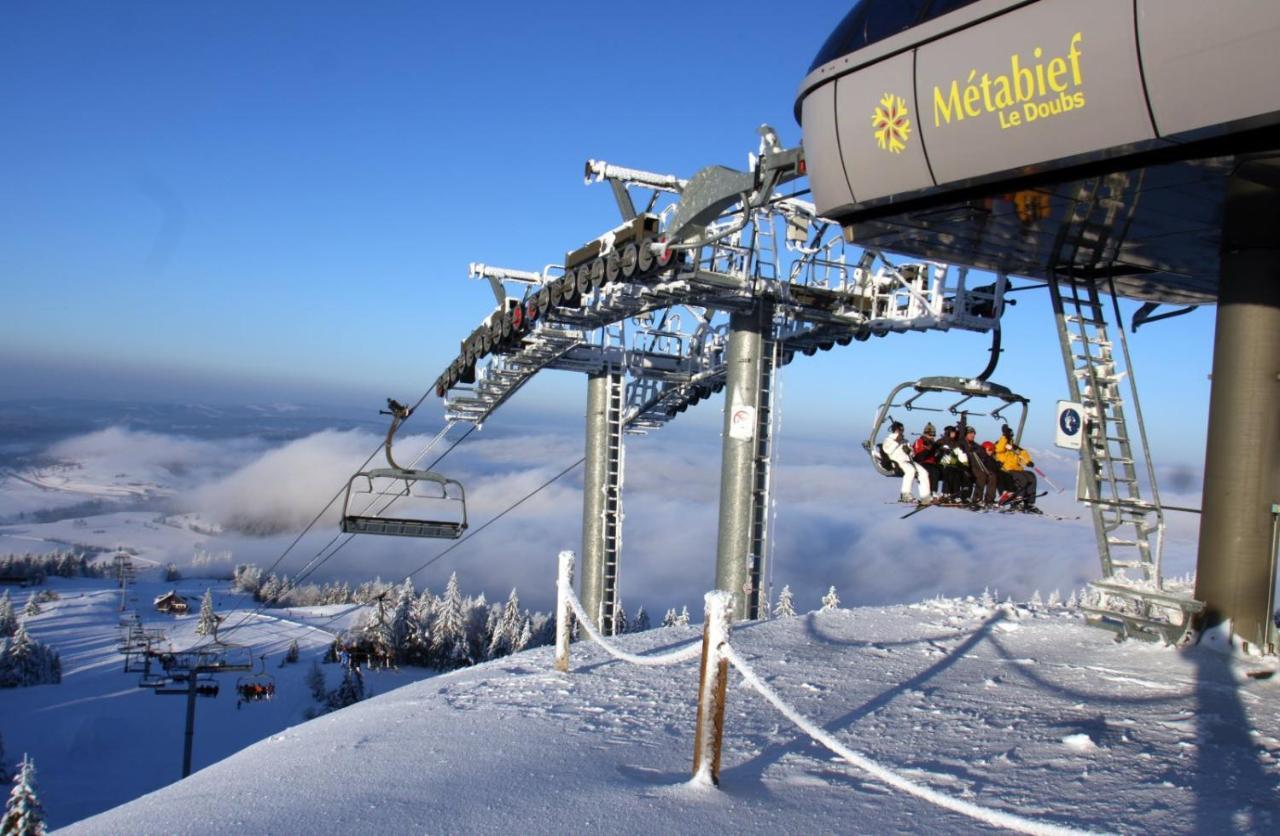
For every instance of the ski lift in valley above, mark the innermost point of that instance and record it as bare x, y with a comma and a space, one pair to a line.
427, 503
256, 687
948, 395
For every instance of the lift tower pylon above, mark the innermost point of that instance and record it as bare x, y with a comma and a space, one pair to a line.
1235, 566
744, 468
602, 497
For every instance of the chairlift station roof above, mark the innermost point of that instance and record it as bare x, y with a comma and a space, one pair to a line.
971, 131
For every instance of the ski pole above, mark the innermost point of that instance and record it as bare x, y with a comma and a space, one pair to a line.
1041, 473
1045, 477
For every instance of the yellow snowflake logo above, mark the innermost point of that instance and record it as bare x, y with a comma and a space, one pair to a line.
891, 124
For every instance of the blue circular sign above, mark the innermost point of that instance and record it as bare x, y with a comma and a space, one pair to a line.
1069, 421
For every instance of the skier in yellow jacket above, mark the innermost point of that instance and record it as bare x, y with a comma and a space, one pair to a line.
1015, 461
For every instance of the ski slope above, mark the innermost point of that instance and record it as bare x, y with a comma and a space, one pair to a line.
1016, 709
99, 740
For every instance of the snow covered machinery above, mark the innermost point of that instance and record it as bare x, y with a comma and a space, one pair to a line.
428, 504
256, 687
955, 392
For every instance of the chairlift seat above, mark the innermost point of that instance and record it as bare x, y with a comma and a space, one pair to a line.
965, 388
431, 505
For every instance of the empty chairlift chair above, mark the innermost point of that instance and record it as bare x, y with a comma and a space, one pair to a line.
401, 502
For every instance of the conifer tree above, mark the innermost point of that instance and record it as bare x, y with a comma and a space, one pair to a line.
786, 604
23, 815
351, 690
448, 635
526, 636
683, 618
620, 623
315, 682
669, 619
8, 621
506, 635
404, 622
375, 634
641, 621
831, 600
208, 623
32, 607
25, 661
269, 590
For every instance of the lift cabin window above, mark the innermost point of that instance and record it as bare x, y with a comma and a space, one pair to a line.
874, 20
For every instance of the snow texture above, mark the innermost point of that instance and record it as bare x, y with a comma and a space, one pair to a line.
936, 693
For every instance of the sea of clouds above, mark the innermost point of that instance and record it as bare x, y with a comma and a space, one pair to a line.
834, 522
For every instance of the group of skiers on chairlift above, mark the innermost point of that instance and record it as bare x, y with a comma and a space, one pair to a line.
956, 469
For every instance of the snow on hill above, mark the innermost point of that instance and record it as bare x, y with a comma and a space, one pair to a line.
99, 740
1015, 709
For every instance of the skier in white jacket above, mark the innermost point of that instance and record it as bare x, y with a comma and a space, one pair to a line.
899, 452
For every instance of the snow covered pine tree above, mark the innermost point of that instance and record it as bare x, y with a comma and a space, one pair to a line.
8, 621
786, 604
208, 623
23, 815
25, 661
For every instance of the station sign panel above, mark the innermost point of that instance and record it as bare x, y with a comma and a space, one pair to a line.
822, 151
1209, 65
1070, 425
880, 139
1052, 80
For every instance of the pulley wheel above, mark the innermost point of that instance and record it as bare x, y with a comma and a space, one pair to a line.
630, 254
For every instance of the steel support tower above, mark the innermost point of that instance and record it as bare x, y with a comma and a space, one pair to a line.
744, 461
602, 497
1236, 564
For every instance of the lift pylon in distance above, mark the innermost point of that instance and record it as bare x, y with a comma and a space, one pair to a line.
402, 502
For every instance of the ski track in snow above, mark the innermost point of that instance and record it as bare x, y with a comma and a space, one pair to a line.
1053, 721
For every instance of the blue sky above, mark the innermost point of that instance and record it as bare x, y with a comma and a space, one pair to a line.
237, 198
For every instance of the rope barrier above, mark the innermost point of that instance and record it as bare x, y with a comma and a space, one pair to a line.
883, 774
717, 653
675, 657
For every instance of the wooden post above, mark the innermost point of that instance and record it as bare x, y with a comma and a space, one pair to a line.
564, 624
711, 688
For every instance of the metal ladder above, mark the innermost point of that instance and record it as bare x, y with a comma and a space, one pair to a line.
761, 495
764, 246
612, 523
1130, 598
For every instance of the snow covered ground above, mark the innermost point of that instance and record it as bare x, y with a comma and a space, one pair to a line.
99, 740
1020, 710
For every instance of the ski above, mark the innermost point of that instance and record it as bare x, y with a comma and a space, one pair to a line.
1004, 507
920, 506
